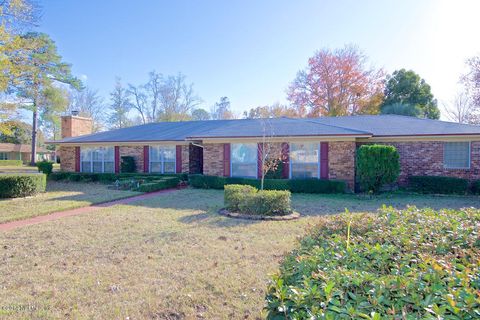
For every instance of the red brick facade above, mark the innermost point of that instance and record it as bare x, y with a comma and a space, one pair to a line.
341, 161
425, 158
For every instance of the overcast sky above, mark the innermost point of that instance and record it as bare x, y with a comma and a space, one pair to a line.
249, 51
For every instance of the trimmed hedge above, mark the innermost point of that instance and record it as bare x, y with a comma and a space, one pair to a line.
476, 187
377, 165
293, 185
440, 185
45, 167
111, 177
408, 264
22, 184
17, 163
235, 194
247, 199
157, 185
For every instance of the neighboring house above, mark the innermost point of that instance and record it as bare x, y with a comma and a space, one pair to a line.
10, 151
315, 148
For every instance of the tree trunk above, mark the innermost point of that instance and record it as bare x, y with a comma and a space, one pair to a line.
33, 158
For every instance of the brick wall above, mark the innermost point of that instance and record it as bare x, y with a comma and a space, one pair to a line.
213, 159
73, 126
67, 158
341, 161
133, 151
426, 158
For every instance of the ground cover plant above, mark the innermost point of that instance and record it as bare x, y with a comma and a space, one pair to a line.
169, 257
399, 264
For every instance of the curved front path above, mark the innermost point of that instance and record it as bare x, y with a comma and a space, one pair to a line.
73, 212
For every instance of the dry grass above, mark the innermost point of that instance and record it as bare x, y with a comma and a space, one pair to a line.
59, 196
169, 257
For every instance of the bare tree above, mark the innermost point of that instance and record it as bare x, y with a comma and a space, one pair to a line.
177, 99
269, 161
120, 107
153, 88
471, 80
463, 110
139, 102
221, 110
89, 104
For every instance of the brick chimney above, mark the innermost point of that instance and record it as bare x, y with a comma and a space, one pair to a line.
73, 125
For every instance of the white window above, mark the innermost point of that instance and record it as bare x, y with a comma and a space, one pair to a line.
162, 159
305, 160
244, 160
97, 159
3, 156
456, 155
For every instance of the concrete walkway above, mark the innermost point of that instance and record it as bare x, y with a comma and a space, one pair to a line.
73, 212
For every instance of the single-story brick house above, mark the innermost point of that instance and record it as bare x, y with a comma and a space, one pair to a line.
322, 148
11, 151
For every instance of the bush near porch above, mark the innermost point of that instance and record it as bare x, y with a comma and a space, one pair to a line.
398, 264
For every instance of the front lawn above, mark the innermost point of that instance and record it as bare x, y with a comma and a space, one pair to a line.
168, 257
59, 196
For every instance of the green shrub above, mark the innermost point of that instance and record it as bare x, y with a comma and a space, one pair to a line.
277, 173
45, 167
377, 165
410, 264
266, 203
235, 194
21, 185
111, 177
206, 182
294, 185
317, 186
476, 187
127, 164
165, 183
17, 163
440, 185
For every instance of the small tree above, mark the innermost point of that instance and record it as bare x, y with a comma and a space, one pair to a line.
269, 161
377, 165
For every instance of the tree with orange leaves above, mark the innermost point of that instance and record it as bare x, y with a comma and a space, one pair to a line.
337, 83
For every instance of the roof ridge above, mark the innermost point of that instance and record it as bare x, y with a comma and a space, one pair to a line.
331, 125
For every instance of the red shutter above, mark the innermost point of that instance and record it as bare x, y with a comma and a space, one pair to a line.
146, 156
259, 160
117, 159
286, 160
77, 159
178, 159
226, 159
324, 160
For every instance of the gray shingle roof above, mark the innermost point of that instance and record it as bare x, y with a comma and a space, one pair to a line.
357, 126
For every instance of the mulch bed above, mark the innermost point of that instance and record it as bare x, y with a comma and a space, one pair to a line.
236, 215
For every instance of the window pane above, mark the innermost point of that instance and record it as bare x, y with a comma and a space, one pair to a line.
244, 152
86, 166
156, 167
244, 159
109, 166
169, 167
97, 166
109, 154
154, 154
304, 152
97, 154
244, 170
304, 170
456, 155
169, 153
3, 156
85, 154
